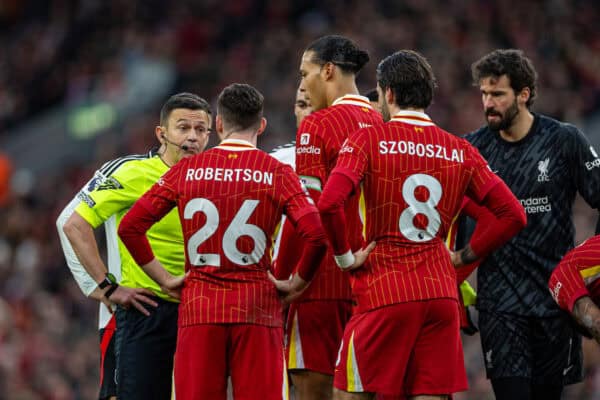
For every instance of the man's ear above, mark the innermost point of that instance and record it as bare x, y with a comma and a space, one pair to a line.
219, 124
159, 131
390, 97
263, 126
328, 71
524, 95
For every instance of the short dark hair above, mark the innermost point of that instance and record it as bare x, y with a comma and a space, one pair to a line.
185, 100
372, 95
409, 76
240, 106
512, 63
340, 51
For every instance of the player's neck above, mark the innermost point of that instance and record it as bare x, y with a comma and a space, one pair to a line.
394, 109
167, 157
346, 86
247, 136
520, 127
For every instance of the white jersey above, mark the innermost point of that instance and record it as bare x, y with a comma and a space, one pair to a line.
286, 154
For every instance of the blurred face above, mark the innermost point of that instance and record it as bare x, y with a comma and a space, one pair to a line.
500, 104
312, 81
302, 106
185, 128
382, 104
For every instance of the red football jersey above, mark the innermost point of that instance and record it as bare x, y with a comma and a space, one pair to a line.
318, 142
230, 200
577, 275
414, 176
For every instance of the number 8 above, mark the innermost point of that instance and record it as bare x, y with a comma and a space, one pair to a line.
415, 206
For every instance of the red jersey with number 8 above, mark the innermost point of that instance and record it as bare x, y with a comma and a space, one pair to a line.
414, 177
230, 200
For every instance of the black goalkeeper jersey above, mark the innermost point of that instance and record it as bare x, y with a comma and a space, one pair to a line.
544, 170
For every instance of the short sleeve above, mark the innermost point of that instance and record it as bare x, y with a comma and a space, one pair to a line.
105, 196
566, 285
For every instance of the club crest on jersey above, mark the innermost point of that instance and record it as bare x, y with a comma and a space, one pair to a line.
304, 139
543, 168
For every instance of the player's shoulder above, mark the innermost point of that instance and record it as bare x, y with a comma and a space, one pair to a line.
108, 173
552, 126
590, 243
285, 153
315, 120
479, 135
126, 164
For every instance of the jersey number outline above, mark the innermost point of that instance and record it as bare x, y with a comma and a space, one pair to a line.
238, 227
428, 208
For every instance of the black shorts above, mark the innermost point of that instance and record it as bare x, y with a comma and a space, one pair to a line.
545, 350
108, 362
145, 351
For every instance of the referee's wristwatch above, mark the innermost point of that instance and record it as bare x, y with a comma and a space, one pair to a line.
109, 280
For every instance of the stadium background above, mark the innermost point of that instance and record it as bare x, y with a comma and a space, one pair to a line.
82, 82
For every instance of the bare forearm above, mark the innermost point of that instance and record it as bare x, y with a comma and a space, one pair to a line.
587, 314
157, 272
467, 255
82, 239
464, 256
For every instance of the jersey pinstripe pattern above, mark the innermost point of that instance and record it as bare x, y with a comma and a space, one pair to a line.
577, 275
318, 141
414, 177
230, 199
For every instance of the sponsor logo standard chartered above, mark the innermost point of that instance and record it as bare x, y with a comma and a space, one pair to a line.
534, 205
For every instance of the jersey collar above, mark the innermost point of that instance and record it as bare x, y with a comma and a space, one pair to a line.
412, 117
353, 99
236, 145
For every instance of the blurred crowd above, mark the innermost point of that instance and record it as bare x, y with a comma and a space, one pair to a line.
64, 51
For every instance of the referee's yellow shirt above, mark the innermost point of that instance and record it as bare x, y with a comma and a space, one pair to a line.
113, 192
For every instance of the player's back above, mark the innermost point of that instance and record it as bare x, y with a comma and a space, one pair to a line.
414, 182
319, 140
231, 200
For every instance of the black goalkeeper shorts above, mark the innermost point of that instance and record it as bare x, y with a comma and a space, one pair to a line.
545, 350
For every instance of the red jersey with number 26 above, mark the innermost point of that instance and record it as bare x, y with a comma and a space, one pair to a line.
414, 177
230, 200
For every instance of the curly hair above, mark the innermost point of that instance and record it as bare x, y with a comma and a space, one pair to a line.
512, 63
